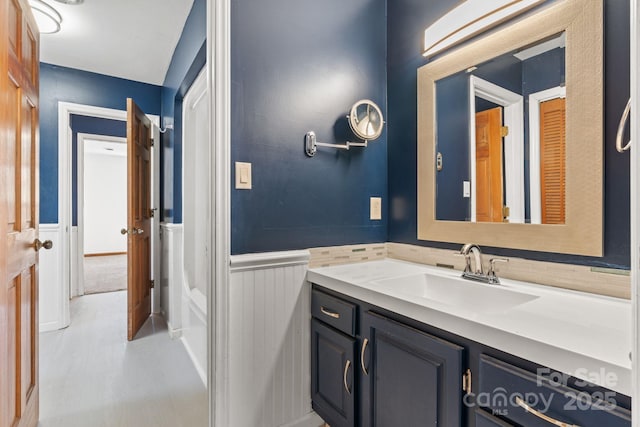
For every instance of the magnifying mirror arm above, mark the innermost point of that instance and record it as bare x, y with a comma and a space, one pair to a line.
311, 144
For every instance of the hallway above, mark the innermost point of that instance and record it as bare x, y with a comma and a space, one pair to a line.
91, 376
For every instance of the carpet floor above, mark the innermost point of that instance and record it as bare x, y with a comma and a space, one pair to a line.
105, 273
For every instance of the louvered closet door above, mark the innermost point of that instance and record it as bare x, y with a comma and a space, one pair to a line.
18, 215
552, 161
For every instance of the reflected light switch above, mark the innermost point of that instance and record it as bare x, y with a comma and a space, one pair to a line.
466, 189
243, 176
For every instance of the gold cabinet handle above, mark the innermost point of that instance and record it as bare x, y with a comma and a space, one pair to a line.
362, 350
344, 375
37, 244
330, 313
619, 134
542, 416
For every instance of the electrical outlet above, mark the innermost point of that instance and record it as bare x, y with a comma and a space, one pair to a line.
376, 208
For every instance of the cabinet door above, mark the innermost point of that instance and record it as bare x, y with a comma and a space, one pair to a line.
332, 375
409, 378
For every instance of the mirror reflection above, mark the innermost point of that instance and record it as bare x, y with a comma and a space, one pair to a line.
500, 138
365, 120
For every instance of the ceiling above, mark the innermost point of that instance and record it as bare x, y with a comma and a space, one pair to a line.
130, 39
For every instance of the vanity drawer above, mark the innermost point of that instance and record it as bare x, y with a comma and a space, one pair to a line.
334, 311
507, 390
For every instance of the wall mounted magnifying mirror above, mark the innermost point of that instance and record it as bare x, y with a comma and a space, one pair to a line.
365, 120
510, 136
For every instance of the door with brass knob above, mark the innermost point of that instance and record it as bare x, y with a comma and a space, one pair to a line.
139, 211
19, 207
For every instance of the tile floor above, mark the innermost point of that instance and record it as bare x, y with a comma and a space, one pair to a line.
90, 376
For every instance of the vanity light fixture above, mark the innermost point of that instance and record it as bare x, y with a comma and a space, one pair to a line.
366, 122
47, 18
469, 19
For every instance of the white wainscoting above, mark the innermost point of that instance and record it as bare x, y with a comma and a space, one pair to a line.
269, 341
171, 276
52, 308
76, 269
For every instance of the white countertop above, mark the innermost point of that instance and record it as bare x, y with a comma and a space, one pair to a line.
583, 335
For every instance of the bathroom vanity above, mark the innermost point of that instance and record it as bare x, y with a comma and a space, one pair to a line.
396, 343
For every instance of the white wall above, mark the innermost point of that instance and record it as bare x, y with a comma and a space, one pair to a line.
52, 313
105, 203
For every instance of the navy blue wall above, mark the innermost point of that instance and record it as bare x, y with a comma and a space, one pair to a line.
407, 20
94, 126
297, 71
188, 58
81, 87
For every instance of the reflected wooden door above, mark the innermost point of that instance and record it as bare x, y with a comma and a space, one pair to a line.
489, 166
138, 218
552, 161
18, 215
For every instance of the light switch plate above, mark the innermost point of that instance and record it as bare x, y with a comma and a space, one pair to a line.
466, 189
243, 176
376, 208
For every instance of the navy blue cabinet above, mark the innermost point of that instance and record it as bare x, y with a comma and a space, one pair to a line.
539, 399
409, 378
375, 368
332, 375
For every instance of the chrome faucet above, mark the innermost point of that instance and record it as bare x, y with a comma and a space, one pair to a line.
478, 275
472, 248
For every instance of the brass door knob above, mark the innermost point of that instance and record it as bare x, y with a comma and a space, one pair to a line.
37, 244
132, 231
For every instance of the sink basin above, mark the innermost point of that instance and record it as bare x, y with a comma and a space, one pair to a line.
457, 292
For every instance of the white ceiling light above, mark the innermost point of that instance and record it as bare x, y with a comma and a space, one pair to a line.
47, 18
468, 19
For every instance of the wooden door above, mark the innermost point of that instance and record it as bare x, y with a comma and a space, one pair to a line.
19, 40
489, 201
408, 377
138, 218
552, 161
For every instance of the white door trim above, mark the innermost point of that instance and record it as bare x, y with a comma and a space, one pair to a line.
513, 104
65, 138
635, 208
219, 87
534, 147
79, 280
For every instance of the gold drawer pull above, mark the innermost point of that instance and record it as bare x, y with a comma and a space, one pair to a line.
330, 313
364, 347
542, 416
344, 375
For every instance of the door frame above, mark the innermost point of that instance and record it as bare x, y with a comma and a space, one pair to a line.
65, 208
77, 285
219, 87
634, 16
513, 110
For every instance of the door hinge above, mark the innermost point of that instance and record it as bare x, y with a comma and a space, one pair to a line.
466, 381
505, 211
152, 284
152, 212
153, 142
504, 131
